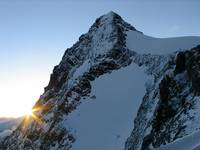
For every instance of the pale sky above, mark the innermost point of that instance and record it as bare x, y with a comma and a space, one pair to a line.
35, 34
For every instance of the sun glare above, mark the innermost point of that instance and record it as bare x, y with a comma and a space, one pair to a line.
30, 113
19, 94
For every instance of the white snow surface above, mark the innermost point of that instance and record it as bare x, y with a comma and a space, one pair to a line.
105, 122
81, 70
144, 44
190, 142
100, 37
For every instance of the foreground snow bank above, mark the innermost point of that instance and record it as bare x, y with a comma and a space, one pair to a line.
105, 120
190, 142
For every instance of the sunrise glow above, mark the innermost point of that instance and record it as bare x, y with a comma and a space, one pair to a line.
32, 116
19, 94
30, 113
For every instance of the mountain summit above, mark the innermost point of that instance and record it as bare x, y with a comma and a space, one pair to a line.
116, 89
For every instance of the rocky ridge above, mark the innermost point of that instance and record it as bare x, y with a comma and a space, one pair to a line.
102, 50
168, 110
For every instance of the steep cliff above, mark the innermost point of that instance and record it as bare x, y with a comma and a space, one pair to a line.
112, 76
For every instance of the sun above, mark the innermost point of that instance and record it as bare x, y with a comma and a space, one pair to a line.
25, 89
30, 113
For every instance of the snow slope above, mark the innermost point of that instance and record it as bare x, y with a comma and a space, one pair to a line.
95, 92
190, 142
106, 121
144, 44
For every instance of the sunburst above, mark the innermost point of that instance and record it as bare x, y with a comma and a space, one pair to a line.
32, 115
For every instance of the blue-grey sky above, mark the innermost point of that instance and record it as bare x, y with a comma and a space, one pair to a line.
34, 35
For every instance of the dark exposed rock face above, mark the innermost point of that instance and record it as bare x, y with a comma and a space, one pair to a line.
139, 138
167, 108
189, 61
171, 106
180, 63
193, 67
63, 93
80, 51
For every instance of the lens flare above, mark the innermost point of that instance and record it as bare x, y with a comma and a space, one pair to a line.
30, 113
32, 116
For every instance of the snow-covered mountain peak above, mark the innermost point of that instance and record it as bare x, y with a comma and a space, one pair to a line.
105, 38
114, 19
109, 17
110, 14
113, 75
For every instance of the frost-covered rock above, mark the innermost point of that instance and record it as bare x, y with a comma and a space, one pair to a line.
170, 110
112, 76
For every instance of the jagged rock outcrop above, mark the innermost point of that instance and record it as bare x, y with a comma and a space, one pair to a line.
103, 50
167, 111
